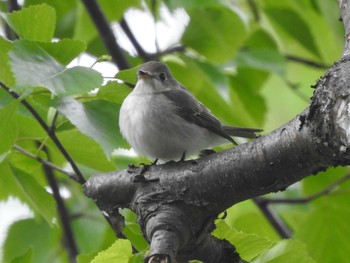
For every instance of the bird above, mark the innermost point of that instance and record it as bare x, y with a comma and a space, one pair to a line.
162, 120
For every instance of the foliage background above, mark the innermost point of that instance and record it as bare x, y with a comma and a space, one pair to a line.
251, 62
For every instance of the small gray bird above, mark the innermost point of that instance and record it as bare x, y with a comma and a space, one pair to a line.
162, 120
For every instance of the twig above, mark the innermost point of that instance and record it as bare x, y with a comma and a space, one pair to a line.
106, 34
69, 240
295, 88
47, 163
306, 62
140, 51
52, 135
12, 5
271, 215
328, 190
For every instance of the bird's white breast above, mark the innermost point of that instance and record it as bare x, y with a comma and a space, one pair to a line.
148, 121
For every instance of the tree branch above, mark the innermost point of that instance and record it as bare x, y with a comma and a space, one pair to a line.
275, 220
140, 51
328, 190
12, 5
52, 135
306, 62
47, 163
106, 34
69, 240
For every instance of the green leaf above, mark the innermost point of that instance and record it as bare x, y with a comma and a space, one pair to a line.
128, 75
92, 157
260, 58
37, 198
86, 258
65, 50
34, 67
294, 25
25, 258
216, 33
97, 119
38, 235
5, 70
246, 96
36, 23
8, 127
120, 252
325, 233
114, 92
286, 251
248, 245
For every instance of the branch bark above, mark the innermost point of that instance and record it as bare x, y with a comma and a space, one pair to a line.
106, 34
177, 204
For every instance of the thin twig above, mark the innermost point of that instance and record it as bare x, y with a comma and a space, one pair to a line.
275, 220
295, 88
306, 62
139, 49
12, 5
106, 34
68, 237
328, 190
47, 163
52, 135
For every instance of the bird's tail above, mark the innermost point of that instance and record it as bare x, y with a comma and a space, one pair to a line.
241, 132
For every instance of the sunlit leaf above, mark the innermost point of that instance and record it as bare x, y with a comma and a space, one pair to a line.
119, 252
65, 50
114, 92
128, 75
286, 251
34, 67
35, 23
248, 245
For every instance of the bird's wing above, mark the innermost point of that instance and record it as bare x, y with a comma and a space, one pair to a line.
189, 108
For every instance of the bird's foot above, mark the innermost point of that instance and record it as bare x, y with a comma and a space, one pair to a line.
139, 173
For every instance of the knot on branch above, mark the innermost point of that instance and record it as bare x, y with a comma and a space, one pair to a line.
329, 114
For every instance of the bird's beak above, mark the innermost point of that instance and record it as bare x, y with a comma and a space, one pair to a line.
144, 75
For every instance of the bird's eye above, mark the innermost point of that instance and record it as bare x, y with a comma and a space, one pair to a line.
162, 76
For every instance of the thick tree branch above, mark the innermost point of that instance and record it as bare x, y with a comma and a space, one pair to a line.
106, 34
